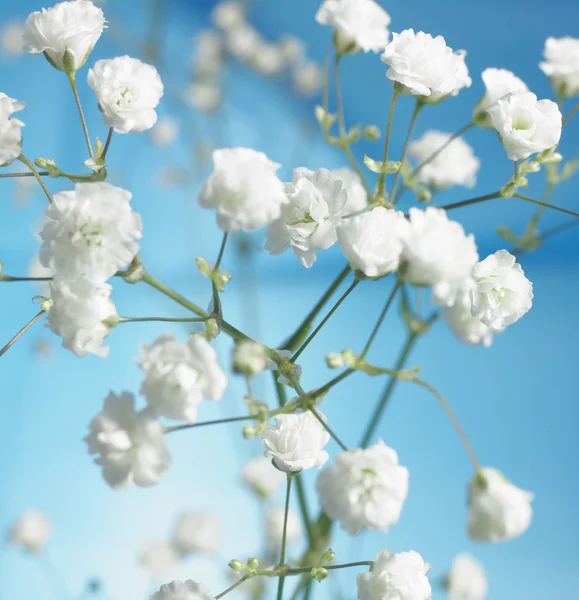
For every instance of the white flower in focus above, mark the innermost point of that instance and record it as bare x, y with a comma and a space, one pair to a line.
10, 130
526, 125
308, 223
182, 590
268, 59
308, 78
159, 558
82, 314
456, 164
91, 231
164, 132
362, 24
425, 66
11, 42
244, 42
372, 241
400, 576
501, 294
274, 527
208, 52
262, 477
204, 96
127, 91
498, 83
228, 14
498, 510
351, 182
196, 532
296, 442
130, 444
466, 579
179, 375
562, 65
244, 189
466, 328
31, 531
249, 358
364, 489
65, 33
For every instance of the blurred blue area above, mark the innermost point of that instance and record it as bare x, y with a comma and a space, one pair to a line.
517, 400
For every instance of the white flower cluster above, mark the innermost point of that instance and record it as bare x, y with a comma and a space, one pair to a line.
31, 531
10, 130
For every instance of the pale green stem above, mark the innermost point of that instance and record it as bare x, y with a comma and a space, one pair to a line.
232, 587
206, 423
382, 179
381, 318
546, 205
10, 175
107, 143
36, 174
471, 201
4, 277
21, 333
330, 431
72, 81
415, 113
163, 319
284, 537
571, 113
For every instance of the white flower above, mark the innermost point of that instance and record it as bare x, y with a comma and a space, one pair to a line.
228, 15
498, 83
400, 576
468, 329
425, 66
308, 223
372, 241
262, 477
268, 59
10, 129
308, 78
525, 124
66, 33
244, 189
164, 132
82, 314
11, 41
249, 358
456, 164
91, 231
292, 48
562, 64
502, 294
437, 253
127, 92
182, 590
274, 526
31, 531
179, 375
364, 489
159, 558
130, 444
203, 95
196, 532
351, 182
466, 579
208, 49
498, 510
359, 23
243, 42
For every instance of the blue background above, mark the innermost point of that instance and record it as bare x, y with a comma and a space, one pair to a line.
517, 400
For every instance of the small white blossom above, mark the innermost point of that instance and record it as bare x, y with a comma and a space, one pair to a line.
498, 510
90, 231
466, 579
65, 33
228, 15
268, 59
425, 66
179, 375
400, 576
249, 358
208, 52
196, 532
130, 444
364, 489
362, 24
159, 558
526, 125
203, 95
562, 65
10, 129
182, 590
308, 78
127, 91
164, 132
274, 526
292, 48
262, 477
498, 83
466, 328
296, 442
244, 189
244, 42
501, 294
82, 314
11, 42
456, 164
351, 182
31, 531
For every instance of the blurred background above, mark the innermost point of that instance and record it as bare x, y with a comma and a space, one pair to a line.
517, 399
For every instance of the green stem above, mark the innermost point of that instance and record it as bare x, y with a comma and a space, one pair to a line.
382, 179
381, 318
36, 174
334, 436
21, 333
321, 391
415, 113
471, 201
232, 587
284, 537
107, 143
354, 163
221, 251
339, 103
4, 277
546, 204
571, 113
206, 423
72, 81
9, 175
304, 508
162, 319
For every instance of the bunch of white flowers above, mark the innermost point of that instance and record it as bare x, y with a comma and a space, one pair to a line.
10, 129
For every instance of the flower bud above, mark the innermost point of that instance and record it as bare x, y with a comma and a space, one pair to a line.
319, 574
252, 564
212, 329
371, 132
237, 565
334, 360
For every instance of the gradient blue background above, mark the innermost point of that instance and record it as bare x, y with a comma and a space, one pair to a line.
517, 400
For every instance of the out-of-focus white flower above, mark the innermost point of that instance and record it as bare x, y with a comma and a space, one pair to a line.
437, 253
308, 223
455, 165
372, 241
65, 33
425, 66
274, 526
127, 91
209, 51
308, 78
249, 358
31, 531
400, 576
498, 510
179, 375
10, 129
362, 24
182, 590
262, 477
244, 189
196, 532
562, 65
296, 442
203, 95
130, 443
498, 83
159, 558
468, 329
292, 48
228, 15
364, 489
501, 294
466, 579
164, 132
11, 42
526, 125
351, 182
243, 42
91, 231
82, 314
268, 59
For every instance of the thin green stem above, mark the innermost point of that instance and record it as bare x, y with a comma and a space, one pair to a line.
339, 102
36, 174
206, 423
381, 186
571, 113
322, 390
107, 143
284, 537
355, 165
21, 333
221, 251
4, 277
163, 319
472, 201
232, 587
415, 114
546, 205
332, 433
10, 175
362, 563
304, 508
72, 80
381, 318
